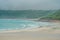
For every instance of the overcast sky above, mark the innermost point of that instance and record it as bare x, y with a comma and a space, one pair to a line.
29, 4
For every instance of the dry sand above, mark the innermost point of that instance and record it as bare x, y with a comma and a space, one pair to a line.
33, 34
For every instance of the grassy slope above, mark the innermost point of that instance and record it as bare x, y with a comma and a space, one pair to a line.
55, 16
24, 13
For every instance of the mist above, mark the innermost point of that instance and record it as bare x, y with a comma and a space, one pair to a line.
29, 4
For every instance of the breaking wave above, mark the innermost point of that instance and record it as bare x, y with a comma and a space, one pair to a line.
17, 24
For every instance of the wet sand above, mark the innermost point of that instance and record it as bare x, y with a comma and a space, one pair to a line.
41, 34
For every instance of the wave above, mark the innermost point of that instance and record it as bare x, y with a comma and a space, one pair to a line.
8, 25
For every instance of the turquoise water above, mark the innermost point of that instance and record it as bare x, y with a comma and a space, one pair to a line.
14, 24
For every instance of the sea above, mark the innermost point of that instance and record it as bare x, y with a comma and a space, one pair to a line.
18, 24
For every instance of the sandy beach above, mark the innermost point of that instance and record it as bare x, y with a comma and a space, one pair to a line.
33, 34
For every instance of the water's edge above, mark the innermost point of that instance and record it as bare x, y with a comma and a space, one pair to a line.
18, 24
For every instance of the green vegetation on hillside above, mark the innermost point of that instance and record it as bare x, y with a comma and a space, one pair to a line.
54, 16
24, 13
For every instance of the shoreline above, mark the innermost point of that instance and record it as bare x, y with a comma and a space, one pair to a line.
41, 34
43, 29
34, 29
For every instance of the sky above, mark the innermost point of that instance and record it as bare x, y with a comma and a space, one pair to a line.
29, 4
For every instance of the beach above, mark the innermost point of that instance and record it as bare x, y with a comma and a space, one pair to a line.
29, 30
33, 34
